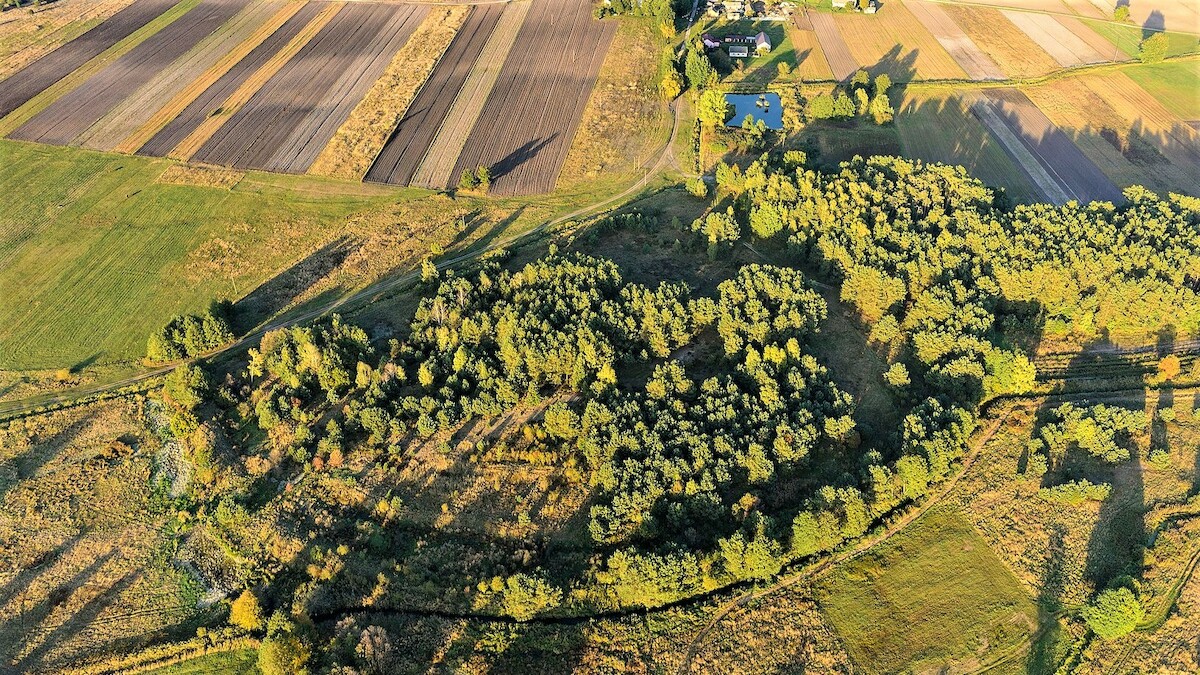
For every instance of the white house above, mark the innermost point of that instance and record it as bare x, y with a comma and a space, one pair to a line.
762, 43
739, 51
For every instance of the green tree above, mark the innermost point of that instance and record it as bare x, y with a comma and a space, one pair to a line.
468, 180
712, 109
1114, 613
881, 109
245, 612
524, 596
1154, 48
699, 70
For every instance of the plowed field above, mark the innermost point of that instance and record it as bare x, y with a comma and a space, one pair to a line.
970, 58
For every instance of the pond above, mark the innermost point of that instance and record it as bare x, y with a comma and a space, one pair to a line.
765, 107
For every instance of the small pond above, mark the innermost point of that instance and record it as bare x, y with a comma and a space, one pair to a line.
765, 107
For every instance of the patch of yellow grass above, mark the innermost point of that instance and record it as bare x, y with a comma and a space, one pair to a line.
1009, 47
361, 138
181, 100
179, 174
237, 99
812, 64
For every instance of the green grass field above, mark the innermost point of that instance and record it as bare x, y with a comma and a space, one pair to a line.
1176, 85
98, 254
932, 597
758, 70
239, 662
1127, 38
943, 130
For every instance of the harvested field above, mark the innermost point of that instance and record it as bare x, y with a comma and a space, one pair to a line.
26, 37
810, 60
1089, 9
365, 134
895, 42
1121, 128
837, 52
290, 119
1028, 5
978, 66
539, 97
1052, 148
1059, 42
436, 168
1182, 15
68, 117
941, 128
415, 131
137, 109
36, 77
220, 96
1011, 49
1175, 85
189, 94
1107, 50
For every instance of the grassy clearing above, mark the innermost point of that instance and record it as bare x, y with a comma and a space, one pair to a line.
240, 662
360, 139
1127, 38
1175, 85
935, 596
102, 249
942, 129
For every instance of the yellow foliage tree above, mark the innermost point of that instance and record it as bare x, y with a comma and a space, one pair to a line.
245, 612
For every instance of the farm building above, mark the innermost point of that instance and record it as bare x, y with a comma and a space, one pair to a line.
872, 7
762, 43
845, 4
709, 41
739, 51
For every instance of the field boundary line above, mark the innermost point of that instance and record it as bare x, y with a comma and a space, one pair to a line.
1057, 13
1051, 187
206, 79
234, 102
82, 74
447, 146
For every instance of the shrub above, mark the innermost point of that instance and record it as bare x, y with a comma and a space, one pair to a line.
697, 187
245, 612
1076, 492
1114, 613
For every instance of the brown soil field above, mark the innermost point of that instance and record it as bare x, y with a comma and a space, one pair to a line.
625, 121
996, 36
37, 76
1062, 45
837, 52
535, 107
28, 36
65, 119
364, 135
332, 110
189, 94
137, 109
217, 96
438, 164
1179, 15
1052, 147
894, 42
414, 133
280, 126
810, 59
978, 65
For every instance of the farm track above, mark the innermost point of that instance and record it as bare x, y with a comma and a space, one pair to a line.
1060, 43
35, 78
276, 126
68, 117
216, 96
138, 108
437, 165
968, 55
1053, 149
837, 52
415, 134
528, 122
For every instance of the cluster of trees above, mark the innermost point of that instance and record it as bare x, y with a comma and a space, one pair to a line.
862, 98
1099, 430
479, 178
191, 335
663, 11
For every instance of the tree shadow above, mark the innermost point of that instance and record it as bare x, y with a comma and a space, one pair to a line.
1041, 657
1155, 23
279, 292
516, 158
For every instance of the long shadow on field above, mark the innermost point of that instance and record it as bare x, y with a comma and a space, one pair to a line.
15, 632
521, 155
466, 240
280, 291
899, 66
1155, 23
1041, 657
40, 453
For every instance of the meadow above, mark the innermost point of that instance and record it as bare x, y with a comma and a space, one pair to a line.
933, 597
